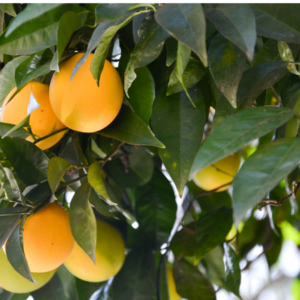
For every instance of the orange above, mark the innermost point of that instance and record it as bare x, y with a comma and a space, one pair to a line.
80, 104
110, 255
48, 240
173, 295
218, 174
42, 120
13, 282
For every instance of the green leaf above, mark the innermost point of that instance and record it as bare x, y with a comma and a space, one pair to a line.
16, 256
256, 79
191, 283
171, 45
268, 52
8, 8
96, 181
142, 94
156, 209
136, 280
211, 231
193, 73
35, 28
86, 289
186, 23
8, 222
148, 49
261, 172
163, 278
101, 52
283, 17
68, 282
137, 170
180, 126
67, 25
286, 54
52, 290
226, 65
238, 130
7, 77
39, 193
99, 205
233, 272
129, 128
236, 23
111, 11
83, 221
56, 170
25, 156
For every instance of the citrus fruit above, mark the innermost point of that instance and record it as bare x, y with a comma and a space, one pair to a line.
48, 239
173, 295
42, 120
80, 104
13, 282
218, 174
110, 255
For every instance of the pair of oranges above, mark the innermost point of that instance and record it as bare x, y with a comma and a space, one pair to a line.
80, 104
48, 243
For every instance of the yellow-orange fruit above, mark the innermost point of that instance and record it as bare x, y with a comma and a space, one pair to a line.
110, 255
48, 239
218, 174
42, 120
173, 295
13, 282
80, 104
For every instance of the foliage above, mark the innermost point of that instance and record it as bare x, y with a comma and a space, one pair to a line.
201, 82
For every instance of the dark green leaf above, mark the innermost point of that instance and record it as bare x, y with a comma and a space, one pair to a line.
67, 25
148, 49
233, 272
96, 181
257, 79
83, 221
283, 17
7, 77
142, 94
190, 282
8, 8
261, 172
25, 156
226, 64
137, 170
52, 290
156, 209
86, 289
235, 22
8, 223
268, 52
111, 11
193, 73
185, 22
237, 131
129, 128
211, 230
35, 28
171, 45
38, 193
56, 170
136, 280
68, 282
16, 256
163, 278
180, 126
98, 203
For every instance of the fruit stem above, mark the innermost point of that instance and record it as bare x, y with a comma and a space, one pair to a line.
46, 136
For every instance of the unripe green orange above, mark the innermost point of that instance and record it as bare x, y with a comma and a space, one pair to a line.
13, 282
218, 174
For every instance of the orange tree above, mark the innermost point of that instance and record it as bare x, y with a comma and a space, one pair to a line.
122, 95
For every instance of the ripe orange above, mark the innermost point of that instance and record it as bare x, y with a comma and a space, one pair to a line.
80, 104
42, 120
219, 173
110, 255
48, 240
173, 295
13, 282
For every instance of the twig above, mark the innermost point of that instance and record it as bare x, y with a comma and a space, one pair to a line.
46, 136
276, 95
112, 153
267, 202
